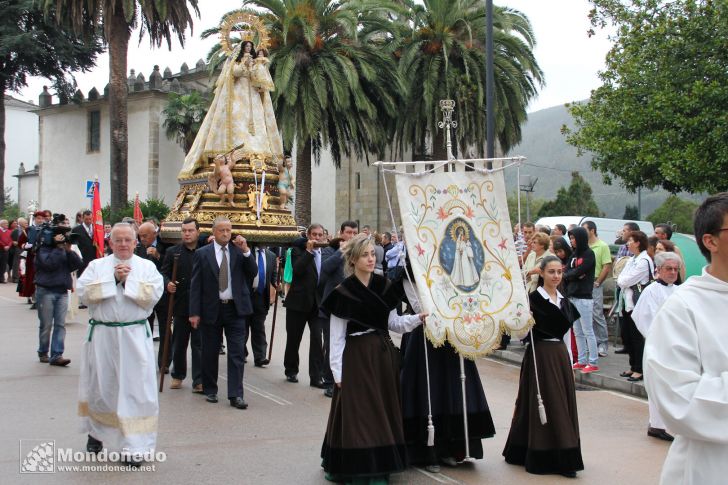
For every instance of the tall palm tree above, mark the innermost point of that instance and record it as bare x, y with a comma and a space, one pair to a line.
332, 89
114, 20
441, 45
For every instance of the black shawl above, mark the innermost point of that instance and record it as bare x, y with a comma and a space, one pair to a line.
368, 306
551, 322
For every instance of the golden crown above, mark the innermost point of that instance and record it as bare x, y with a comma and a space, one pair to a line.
252, 25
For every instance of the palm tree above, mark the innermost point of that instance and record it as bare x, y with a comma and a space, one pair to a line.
441, 45
183, 116
332, 89
114, 20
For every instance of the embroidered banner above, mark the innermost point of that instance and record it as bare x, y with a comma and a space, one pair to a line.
460, 245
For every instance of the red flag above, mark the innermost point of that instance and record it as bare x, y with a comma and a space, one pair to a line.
138, 216
98, 222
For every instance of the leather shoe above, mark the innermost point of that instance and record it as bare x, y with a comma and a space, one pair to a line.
60, 362
238, 402
660, 434
262, 363
211, 398
318, 384
133, 462
43, 358
292, 378
329, 392
197, 389
93, 445
621, 351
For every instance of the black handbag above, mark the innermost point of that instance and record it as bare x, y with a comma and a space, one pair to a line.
639, 288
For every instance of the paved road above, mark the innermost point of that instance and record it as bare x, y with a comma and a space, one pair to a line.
277, 440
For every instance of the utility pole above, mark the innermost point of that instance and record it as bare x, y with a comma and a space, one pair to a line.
489, 84
527, 184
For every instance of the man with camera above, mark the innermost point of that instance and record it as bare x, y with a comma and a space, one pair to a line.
54, 263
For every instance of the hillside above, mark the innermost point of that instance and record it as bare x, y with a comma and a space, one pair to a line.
552, 160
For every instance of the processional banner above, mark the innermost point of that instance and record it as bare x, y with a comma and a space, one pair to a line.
460, 245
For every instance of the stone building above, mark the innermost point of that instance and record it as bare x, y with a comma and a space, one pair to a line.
75, 140
21, 142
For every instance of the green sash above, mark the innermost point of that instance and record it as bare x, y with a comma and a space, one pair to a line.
93, 323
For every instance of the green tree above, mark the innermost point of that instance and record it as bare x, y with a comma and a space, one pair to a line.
534, 207
677, 212
441, 45
10, 209
333, 89
32, 46
631, 212
659, 118
183, 116
575, 200
114, 20
150, 208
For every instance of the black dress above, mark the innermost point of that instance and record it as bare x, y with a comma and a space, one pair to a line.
364, 436
447, 403
553, 447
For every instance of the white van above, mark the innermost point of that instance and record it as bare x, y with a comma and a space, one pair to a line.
606, 228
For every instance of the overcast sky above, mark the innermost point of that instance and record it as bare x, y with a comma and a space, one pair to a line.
570, 60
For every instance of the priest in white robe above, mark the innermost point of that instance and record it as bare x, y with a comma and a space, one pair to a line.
668, 267
686, 359
117, 391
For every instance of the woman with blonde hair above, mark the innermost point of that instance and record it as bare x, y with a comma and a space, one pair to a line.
364, 438
540, 244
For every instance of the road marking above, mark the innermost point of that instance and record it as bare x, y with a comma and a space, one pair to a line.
438, 477
268, 395
276, 399
501, 362
631, 398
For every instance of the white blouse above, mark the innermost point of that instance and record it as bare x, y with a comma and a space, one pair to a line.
337, 342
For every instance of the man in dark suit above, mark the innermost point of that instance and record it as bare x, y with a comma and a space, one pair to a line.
151, 248
85, 232
262, 294
302, 304
183, 331
220, 300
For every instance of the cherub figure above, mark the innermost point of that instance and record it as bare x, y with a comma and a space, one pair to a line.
286, 182
221, 179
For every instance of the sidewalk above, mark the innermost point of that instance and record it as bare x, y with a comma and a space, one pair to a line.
606, 378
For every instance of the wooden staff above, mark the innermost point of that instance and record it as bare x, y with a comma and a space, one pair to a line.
168, 326
275, 307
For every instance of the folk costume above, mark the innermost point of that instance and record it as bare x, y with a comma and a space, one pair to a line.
364, 437
553, 447
686, 369
118, 383
446, 398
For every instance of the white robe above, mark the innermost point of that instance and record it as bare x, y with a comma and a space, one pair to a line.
686, 374
118, 384
464, 272
650, 302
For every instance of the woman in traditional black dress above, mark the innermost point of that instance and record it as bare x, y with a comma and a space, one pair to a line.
364, 440
554, 446
446, 398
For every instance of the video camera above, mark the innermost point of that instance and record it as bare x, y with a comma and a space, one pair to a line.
49, 230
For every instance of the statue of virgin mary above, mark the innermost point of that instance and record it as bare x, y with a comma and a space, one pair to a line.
240, 117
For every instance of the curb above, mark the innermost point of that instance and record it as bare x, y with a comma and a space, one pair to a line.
594, 379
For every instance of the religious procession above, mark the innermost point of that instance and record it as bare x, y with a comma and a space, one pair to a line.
451, 338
